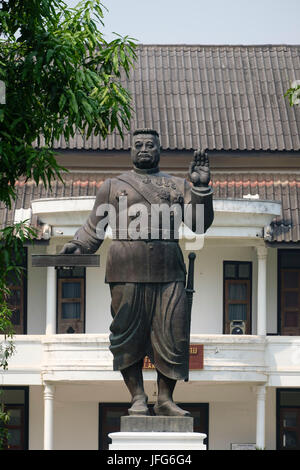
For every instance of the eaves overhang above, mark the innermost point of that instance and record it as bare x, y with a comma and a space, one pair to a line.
233, 217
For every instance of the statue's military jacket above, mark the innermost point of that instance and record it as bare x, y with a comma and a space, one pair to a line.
155, 256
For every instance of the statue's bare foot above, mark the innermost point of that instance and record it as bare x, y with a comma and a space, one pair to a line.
139, 406
169, 408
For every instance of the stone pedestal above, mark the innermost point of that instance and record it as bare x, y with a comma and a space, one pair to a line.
157, 432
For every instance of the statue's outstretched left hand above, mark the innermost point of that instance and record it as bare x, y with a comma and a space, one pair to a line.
70, 248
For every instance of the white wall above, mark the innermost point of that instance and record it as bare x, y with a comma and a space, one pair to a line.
36, 417
36, 294
236, 422
232, 413
98, 316
271, 418
76, 426
231, 423
75, 422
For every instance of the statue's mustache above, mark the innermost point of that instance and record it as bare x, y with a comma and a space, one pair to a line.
144, 154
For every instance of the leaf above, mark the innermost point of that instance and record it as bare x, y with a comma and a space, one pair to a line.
62, 102
73, 102
49, 55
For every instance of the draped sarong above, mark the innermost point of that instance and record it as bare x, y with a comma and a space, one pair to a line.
151, 319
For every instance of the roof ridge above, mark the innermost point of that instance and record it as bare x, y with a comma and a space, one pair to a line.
219, 45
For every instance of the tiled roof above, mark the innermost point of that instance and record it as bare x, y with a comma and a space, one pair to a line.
214, 97
75, 185
268, 186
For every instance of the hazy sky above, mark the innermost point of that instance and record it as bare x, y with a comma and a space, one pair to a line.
204, 21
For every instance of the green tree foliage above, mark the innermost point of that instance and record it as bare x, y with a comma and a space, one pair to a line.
12, 254
4, 419
12, 239
60, 76
293, 93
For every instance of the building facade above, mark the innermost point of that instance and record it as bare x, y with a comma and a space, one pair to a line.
244, 386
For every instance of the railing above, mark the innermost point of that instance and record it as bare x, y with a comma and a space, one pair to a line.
273, 360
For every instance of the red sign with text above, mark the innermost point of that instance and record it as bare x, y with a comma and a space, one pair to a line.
196, 358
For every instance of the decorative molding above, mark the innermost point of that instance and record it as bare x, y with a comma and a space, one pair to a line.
49, 391
262, 252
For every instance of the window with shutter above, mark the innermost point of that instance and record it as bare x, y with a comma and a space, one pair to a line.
17, 301
289, 292
71, 300
288, 419
15, 400
237, 297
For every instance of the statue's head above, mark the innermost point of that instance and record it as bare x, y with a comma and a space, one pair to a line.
145, 150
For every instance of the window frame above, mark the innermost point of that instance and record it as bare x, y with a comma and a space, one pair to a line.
280, 253
278, 412
249, 298
23, 286
59, 282
25, 406
288, 330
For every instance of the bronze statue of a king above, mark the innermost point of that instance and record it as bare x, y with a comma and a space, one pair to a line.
146, 273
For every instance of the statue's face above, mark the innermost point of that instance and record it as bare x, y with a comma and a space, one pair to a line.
145, 151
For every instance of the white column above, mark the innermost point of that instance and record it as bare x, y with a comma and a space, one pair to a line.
48, 416
260, 416
262, 253
51, 301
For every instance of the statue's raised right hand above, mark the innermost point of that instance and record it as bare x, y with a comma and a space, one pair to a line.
70, 248
199, 169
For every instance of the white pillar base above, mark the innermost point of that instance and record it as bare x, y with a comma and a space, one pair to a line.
157, 440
